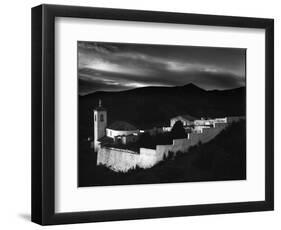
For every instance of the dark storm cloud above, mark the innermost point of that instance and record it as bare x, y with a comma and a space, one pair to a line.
115, 67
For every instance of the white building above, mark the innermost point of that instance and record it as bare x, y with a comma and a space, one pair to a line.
185, 119
210, 122
120, 128
119, 131
197, 125
100, 123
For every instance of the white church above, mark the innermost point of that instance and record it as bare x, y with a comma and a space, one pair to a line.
118, 132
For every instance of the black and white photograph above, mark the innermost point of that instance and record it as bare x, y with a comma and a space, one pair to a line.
150, 114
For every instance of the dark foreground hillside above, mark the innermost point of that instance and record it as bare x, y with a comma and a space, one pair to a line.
223, 158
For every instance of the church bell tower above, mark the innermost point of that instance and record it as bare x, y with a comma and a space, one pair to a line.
100, 123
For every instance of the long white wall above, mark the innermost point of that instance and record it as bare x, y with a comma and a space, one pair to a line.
118, 160
121, 160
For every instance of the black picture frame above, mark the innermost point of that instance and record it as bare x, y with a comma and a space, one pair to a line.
43, 110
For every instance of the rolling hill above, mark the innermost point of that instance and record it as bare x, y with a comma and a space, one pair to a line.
154, 106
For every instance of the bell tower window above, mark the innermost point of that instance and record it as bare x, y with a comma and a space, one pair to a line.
101, 117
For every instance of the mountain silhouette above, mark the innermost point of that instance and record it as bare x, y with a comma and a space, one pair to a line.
153, 106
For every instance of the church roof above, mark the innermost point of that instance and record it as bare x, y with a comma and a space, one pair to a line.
122, 126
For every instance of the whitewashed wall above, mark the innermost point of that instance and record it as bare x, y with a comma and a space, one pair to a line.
124, 160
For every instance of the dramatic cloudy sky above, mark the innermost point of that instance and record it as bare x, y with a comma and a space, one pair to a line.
122, 66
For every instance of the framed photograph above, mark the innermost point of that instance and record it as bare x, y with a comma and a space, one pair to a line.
142, 114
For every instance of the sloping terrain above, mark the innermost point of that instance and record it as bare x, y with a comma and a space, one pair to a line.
223, 158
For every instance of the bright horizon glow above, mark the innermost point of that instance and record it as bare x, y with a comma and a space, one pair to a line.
122, 66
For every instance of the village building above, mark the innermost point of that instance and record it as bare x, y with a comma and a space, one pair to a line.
107, 139
186, 120
100, 124
120, 132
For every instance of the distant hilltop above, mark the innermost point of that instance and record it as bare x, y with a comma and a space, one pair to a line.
154, 106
